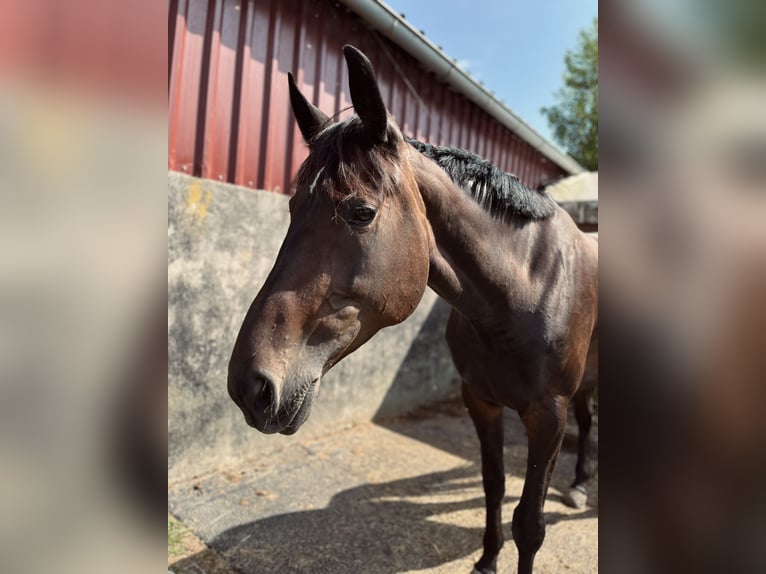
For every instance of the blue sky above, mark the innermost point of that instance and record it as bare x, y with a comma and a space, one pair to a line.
515, 47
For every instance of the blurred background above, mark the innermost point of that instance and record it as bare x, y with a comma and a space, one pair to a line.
683, 262
82, 285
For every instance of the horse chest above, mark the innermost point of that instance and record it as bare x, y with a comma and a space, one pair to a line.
511, 372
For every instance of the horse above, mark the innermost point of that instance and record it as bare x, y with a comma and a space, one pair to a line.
376, 218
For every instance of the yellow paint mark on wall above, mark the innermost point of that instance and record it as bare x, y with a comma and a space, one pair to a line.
197, 200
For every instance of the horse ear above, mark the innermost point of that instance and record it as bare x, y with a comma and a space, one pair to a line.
310, 118
365, 94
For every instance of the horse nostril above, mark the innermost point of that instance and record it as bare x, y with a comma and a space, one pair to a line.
262, 392
265, 396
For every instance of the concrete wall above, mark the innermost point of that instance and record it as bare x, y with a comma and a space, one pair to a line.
222, 241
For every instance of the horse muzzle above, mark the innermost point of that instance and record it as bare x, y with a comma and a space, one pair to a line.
269, 406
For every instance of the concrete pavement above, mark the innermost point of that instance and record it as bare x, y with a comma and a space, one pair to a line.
400, 496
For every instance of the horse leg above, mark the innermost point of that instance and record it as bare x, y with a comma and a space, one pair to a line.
488, 420
545, 423
583, 406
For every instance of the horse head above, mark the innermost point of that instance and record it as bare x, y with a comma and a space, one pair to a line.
355, 258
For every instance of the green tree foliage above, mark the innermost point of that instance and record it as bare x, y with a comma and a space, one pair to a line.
574, 118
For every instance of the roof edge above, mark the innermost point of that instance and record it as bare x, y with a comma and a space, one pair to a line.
394, 27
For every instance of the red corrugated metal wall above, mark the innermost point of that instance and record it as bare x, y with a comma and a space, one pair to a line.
229, 112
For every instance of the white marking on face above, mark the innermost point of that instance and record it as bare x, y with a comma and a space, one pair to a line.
316, 178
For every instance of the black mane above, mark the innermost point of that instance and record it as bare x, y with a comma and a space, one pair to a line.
499, 193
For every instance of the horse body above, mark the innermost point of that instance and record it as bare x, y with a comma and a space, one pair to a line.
375, 219
524, 299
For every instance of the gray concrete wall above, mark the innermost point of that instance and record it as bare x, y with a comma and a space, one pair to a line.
222, 241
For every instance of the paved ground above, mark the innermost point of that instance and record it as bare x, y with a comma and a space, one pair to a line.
402, 496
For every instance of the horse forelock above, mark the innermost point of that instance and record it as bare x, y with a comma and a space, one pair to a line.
343, 162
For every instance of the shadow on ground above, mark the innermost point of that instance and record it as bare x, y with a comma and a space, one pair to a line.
398, 526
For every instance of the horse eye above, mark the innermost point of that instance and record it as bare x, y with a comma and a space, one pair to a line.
363, 216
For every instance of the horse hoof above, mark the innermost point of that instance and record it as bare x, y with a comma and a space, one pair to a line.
575, 498
475, 571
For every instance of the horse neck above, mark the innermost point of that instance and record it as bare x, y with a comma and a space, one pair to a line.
474, 256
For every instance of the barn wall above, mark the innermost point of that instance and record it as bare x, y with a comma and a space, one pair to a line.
229, 115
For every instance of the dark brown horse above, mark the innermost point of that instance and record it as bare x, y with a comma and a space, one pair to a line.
375, 219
